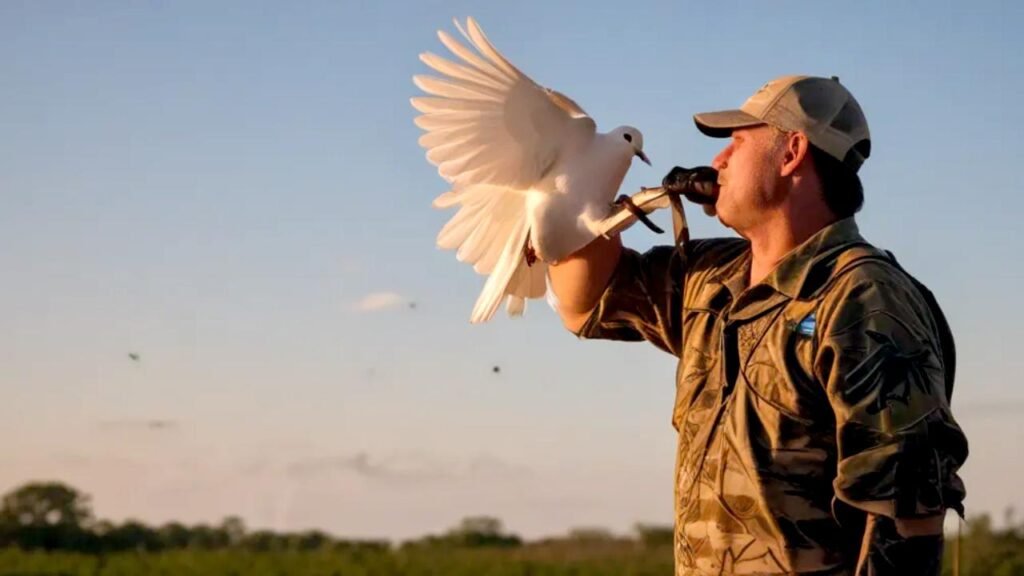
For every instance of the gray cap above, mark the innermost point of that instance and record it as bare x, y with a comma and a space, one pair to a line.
821, 108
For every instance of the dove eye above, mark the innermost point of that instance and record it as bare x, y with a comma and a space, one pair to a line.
628, 137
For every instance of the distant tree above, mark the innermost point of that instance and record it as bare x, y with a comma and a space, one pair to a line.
131, 535
480, 531
46, 504
204, 537
47, 515
652, 536
173, 536
233, 529
101, 527
590, 535
479, 525
363, 546
263, 541
309, 540
471, 532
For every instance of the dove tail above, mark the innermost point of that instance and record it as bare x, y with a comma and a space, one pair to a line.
527, 282
498, 282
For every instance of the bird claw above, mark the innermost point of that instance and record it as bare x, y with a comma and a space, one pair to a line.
627, 202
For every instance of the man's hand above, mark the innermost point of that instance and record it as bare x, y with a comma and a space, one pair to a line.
698, 185
928, 526
887, 549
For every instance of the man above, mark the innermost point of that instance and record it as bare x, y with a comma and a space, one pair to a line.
815, 433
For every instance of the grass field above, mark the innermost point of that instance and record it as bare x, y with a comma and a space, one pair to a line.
526, 561
617, 559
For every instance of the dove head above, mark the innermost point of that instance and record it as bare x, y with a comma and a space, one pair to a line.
633, 138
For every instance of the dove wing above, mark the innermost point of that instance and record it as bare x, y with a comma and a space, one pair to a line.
487, 122
494, 134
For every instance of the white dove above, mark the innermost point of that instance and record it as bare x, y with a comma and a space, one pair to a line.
531, 176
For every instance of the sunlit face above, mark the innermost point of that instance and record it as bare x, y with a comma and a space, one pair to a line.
749, 176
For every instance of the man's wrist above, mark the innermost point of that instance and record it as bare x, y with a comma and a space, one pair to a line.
925, 526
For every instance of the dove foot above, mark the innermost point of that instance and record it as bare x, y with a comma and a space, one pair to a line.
529, 253
627, 202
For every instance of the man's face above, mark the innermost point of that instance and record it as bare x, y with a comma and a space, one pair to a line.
749, 176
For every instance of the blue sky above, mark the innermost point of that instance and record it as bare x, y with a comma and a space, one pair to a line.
218, 186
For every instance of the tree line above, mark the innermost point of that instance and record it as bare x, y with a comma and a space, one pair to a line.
53, 516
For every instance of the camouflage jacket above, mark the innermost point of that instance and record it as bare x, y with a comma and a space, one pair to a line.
811, 408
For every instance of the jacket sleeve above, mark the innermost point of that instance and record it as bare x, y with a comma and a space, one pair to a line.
899, 447
642, 301
884, 552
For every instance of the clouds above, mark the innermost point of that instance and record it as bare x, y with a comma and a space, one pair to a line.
380, 301
410, 467
358, 464
134, 425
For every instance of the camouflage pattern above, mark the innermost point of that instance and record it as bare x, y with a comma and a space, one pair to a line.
810, 409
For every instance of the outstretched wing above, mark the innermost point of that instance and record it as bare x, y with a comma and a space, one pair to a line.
487, 122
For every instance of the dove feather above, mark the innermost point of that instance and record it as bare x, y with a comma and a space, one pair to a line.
442, 142
479, 241
465, 73
479, 40
429, 105
457, 133
516, 305
446, 199
488, 244
470, 58
493, 292
455, 118
456, 230
456, 89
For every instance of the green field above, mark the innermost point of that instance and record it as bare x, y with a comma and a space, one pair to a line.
525, 561
1001, 558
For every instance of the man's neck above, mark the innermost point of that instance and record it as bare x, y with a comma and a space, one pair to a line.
776, 237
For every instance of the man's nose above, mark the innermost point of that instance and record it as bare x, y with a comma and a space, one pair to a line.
721, 161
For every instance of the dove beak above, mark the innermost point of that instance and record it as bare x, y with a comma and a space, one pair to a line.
640, 154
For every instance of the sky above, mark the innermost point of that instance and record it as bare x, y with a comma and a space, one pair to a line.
234, 192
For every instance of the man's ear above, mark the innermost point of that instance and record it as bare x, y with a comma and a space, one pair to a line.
797, 150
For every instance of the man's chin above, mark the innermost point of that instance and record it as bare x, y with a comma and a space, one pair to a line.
724, 218
728, 221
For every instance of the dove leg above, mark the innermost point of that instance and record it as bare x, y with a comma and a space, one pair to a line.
627, 202
528, 252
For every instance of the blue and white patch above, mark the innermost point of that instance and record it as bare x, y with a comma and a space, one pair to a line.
806, 326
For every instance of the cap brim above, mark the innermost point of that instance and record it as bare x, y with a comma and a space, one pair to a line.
721, 124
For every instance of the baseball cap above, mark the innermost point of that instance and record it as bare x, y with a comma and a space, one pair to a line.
821, 108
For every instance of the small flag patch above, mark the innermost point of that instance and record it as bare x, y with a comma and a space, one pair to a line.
806, 326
